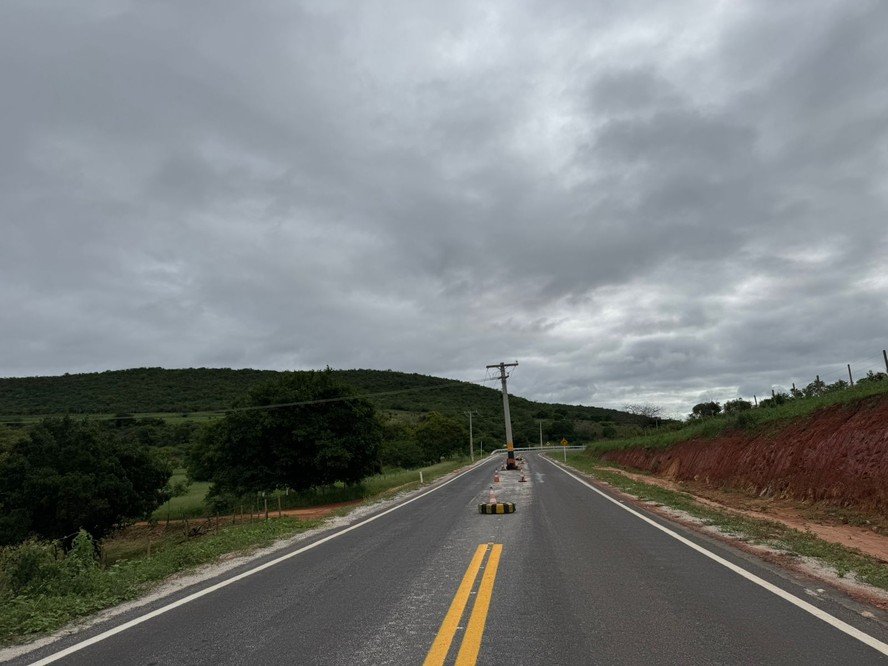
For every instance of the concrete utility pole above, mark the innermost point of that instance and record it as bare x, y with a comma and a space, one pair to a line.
471, 439
510, 446
541, 434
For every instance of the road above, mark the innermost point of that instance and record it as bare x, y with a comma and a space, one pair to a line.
572, 577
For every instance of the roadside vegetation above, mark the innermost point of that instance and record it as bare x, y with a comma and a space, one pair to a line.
43, 586
709, 420
843, 561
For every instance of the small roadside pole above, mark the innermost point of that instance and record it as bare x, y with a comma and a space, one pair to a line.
420, 477
481, 442
541, 434
850, 378
564, 447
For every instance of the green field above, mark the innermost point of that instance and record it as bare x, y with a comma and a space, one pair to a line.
189, 505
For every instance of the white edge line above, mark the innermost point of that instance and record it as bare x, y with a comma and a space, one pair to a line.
783, 594
228, 581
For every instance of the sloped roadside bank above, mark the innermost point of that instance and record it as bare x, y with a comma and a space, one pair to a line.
788, 512
837, 455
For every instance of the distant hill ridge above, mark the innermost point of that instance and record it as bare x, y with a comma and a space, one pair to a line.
141, 390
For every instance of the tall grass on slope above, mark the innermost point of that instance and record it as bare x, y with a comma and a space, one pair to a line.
752, 419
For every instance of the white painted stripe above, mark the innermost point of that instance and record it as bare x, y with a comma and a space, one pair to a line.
218, 586
783, 594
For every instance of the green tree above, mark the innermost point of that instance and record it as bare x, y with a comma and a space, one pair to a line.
399, 446
815, 388
69, 475
705, 409
332, 438
557, 429
440, 436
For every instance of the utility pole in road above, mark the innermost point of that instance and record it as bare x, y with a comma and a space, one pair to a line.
510, 446
471, 440
541, 434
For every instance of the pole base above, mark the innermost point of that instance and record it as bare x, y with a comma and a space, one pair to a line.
499, 507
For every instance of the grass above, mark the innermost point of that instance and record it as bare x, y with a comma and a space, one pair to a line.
42, 608
129, 571
776, 535
752, 419
189, 505
193, 503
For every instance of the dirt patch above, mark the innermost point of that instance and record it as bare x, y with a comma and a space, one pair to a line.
786, 512
836, 456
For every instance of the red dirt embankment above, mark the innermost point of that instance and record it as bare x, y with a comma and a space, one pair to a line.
837, 455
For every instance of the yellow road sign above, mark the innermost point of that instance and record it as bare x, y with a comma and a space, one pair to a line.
563, 442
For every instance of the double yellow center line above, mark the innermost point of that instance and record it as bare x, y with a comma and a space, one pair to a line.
471, 644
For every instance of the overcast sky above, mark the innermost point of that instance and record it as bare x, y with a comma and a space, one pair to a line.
638, 201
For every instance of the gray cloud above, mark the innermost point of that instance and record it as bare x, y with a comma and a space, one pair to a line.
638, 201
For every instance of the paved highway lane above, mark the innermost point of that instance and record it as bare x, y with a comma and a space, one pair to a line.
571, 578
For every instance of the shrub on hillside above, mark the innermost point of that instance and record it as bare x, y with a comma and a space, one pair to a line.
736, 406
703, 410
873, 377
69, 475
776, 400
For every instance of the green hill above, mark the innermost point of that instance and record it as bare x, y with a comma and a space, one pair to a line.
183, 391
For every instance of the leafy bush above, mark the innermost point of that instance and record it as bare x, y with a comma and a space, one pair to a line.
42, 568
736, 406
873, 377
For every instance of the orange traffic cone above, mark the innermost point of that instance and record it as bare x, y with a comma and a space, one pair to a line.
491, 498
495, 477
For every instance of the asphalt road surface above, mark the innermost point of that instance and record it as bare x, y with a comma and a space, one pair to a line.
572, 577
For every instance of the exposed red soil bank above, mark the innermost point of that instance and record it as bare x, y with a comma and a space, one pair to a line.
837, 455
